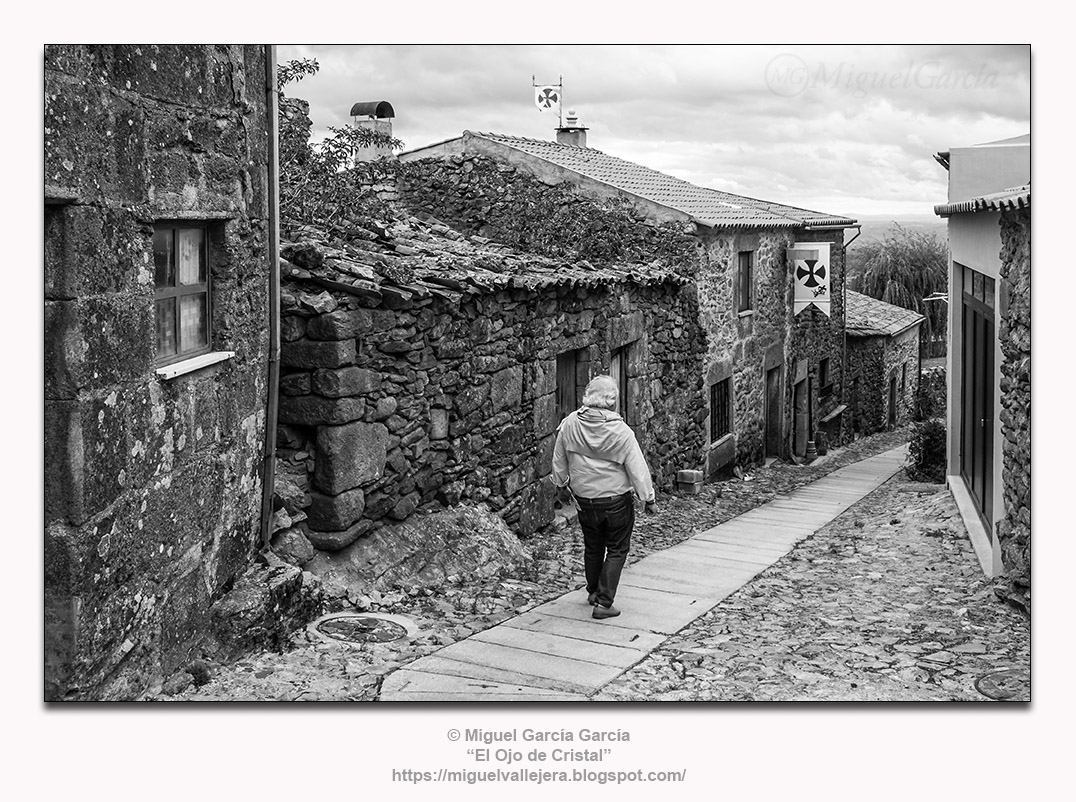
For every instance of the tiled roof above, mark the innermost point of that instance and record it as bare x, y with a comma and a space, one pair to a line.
710, 207
1007, 199
868, 317
409, 257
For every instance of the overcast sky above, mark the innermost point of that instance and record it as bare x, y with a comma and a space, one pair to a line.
841, 129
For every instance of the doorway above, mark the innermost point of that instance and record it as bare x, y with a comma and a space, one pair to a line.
800, 414
891, 423
977, 407
773, 412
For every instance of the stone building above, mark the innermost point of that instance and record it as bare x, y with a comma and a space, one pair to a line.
157, 274
769, 375
883, 363
423, 367
989, 417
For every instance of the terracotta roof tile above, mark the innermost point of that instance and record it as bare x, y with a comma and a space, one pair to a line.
710, 207
868, 317
1007, 199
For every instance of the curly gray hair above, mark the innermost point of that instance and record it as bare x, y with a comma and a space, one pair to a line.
602, 392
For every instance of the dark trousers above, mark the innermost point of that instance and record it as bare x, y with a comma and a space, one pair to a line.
606, 525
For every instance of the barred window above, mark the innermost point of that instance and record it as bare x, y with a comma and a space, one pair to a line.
720, 409
182, 291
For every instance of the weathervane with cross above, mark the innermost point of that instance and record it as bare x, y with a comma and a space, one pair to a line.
549, 96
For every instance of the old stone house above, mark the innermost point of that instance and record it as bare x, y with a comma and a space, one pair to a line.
157, 259
989, 415
769, 375
883, 363
423, 367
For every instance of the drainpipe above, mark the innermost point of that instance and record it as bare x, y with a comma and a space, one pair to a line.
272, 406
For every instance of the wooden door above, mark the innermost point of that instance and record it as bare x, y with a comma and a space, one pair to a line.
977, 408
891, 423
773, 412
799, 405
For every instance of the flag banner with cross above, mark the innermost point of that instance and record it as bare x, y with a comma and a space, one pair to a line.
547, 98
811, 275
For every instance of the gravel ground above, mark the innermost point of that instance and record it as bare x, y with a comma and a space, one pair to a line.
813, 626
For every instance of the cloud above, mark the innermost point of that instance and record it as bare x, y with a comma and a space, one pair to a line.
813, 125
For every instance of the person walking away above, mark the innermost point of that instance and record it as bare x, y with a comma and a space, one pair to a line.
597, 456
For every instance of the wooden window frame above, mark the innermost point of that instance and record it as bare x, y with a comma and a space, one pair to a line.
720, 409
178, 291
745, 281
825, 378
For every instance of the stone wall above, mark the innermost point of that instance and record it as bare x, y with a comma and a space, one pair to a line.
479, 195
1014, 529
874, 361
152, 488
745, 346
386, 412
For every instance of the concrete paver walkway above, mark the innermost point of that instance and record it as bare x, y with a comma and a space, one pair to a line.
557, 652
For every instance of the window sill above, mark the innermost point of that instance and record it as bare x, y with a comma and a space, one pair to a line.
193, 364
747, 313
720, 441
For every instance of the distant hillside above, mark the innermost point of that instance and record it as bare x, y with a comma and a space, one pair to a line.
876, 226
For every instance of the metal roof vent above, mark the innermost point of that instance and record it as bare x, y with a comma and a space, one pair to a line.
380, 109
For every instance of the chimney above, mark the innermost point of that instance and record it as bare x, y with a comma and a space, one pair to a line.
572, 133
373, 115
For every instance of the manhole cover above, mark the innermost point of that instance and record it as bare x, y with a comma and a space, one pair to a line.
1010, 684
362, 627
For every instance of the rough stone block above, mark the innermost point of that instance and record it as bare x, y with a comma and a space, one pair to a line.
541, 378
545, 415
349, 381
689, 488
405, 506
295, 384
334, 541
506, 388
340, 324
471, 398
438, 424
334, 513
316, 354
350, 455
689, 476
314, 410
626, 329
292, 328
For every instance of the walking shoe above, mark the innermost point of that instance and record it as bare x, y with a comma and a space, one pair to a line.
592, 598
604, 612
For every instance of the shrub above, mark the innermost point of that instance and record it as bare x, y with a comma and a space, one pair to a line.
926, 451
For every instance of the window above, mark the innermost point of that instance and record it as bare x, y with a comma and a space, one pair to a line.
825, 380
744, 281
903, 379
182, 296
979, 286
720, 409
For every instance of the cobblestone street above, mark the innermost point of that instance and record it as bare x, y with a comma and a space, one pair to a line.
885, 603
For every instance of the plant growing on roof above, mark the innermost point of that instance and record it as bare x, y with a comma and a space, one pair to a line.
320, 183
